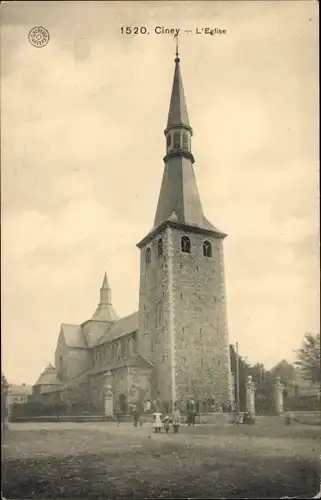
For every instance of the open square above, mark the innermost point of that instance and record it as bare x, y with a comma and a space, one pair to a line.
101, 460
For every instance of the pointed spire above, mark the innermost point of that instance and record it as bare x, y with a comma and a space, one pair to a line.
179, 199
177, 115
105, 310
105, 282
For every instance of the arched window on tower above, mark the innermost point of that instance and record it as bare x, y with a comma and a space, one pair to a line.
185, 244
207, 249
148, 255
177, 140
169, 141
160, 247
185, 141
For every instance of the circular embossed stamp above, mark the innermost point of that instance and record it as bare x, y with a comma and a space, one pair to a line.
38, 36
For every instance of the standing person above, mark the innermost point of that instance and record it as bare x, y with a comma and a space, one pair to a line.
176, 419
166, 423
118, 418
135, 416
157, 422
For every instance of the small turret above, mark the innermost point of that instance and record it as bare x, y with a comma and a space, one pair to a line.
105, 310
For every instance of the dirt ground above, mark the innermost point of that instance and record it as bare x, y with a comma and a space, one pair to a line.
101, 460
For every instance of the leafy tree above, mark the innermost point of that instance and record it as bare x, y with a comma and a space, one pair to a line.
4, 392
308, 357
244, 371
286, 371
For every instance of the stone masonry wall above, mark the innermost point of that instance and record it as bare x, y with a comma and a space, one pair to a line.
153, 340
75, 361
202, 362
139, 384
196, 292
119, 386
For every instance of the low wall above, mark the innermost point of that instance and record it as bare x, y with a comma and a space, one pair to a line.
309, 418
211, 418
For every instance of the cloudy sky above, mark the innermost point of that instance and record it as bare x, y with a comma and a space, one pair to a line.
82, 146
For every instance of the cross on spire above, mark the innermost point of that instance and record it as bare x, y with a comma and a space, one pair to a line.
177, 53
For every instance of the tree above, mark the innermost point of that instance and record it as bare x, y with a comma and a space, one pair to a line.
308, 357
4, 392
244, 371
286, 371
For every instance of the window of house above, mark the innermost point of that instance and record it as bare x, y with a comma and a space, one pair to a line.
130, 346
185, 141
118, 350
177, 140
169, 140
160, 247
123, 348
109, 353
207, 249
148, 255
185, 244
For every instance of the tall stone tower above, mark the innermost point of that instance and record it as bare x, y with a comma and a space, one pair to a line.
182, 304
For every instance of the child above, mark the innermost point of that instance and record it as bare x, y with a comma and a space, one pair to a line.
176, 419
166, 423
157, 422
141, 420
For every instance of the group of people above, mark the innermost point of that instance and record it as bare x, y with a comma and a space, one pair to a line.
167, 421
161, 420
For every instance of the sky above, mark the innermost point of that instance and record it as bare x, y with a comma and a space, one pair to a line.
82, 144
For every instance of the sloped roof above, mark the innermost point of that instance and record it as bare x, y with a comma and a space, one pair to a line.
177, 114
73, 335
122, 327
94, 331
208, 225
105, 312
48, 377
134, 361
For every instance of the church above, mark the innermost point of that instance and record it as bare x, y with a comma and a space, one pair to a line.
175, 348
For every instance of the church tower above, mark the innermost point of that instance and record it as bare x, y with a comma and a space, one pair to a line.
183, 327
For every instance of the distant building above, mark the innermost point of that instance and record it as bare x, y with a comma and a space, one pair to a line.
18, 394
48, 387
176, 346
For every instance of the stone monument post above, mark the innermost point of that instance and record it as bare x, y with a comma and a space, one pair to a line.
279, 387
250, 398
108, 395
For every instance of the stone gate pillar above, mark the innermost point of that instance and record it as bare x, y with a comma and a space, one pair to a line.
279, 387
250, 395
108, 395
